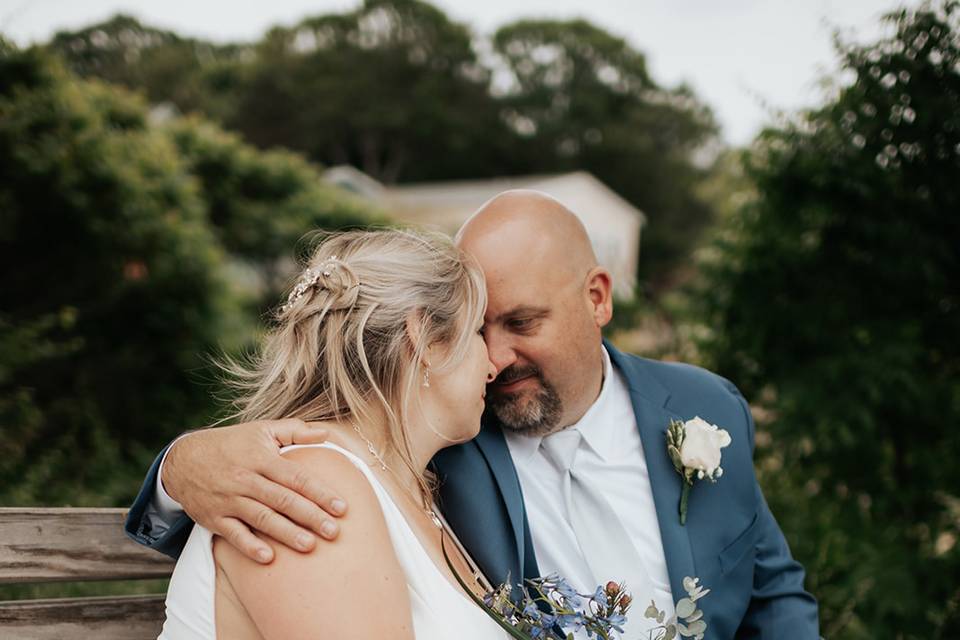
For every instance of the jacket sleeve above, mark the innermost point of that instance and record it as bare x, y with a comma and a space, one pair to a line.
144, 525
779, 607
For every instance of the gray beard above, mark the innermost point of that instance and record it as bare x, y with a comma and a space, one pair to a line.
538, 415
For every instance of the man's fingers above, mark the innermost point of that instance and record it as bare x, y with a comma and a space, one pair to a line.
295, 476
240, 537
266, 520
294, 506
287, 432
310, 433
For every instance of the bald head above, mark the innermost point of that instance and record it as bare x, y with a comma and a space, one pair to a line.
530, 226
547, 301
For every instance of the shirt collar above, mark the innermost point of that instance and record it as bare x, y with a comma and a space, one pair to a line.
597, 434
597, 438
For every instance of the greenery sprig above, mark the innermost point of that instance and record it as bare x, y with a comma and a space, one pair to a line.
548, 608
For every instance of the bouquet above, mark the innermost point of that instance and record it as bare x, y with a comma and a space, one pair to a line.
548, 608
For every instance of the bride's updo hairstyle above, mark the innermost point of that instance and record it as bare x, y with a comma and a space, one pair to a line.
340, 348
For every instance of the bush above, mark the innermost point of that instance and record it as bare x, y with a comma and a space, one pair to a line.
834, 301
115, 242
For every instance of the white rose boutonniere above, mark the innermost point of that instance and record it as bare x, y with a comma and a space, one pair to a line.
694, 448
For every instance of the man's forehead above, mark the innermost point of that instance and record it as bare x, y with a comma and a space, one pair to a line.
513, 285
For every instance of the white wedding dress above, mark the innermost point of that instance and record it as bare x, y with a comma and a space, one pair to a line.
437, 607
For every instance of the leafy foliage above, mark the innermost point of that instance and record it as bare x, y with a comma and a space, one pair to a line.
393, 88
192, 74
115, 242
404, 93
833, 298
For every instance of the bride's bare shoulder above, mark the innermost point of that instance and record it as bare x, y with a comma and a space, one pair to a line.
310, 586
332, 466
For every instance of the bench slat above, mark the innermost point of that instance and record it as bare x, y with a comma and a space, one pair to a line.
45, 545
105, 618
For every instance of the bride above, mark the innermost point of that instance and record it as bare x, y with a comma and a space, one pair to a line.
380, 341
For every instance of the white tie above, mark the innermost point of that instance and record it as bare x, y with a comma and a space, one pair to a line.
603, 540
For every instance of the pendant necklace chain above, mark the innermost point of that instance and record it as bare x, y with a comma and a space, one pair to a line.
437, 522
383, 465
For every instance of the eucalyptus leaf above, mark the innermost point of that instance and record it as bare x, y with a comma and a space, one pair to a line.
697, 627
651, 611
685, 607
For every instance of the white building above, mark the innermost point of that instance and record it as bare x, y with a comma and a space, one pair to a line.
614, 225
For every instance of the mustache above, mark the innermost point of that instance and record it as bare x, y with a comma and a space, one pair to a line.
516, 372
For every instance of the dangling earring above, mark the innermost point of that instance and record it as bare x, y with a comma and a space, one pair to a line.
426, 377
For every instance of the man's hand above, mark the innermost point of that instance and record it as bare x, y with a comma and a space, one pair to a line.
233, 479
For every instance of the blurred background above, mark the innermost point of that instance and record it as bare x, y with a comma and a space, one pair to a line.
775, 185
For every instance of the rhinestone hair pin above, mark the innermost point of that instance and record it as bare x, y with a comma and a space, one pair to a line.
311, 278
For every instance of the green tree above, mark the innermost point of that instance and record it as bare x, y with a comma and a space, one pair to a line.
584, 99
398, 89
193, 75
117, 246
106, 258
833, 299
393, 88
260, 203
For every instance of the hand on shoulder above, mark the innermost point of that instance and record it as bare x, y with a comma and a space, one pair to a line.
306, 595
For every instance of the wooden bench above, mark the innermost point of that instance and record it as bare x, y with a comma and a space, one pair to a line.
77, 545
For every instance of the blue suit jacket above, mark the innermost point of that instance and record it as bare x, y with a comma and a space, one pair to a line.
731, 540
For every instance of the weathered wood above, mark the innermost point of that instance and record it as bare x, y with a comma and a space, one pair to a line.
44, 545
110, 618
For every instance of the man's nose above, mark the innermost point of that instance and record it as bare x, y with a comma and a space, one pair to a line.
501, 353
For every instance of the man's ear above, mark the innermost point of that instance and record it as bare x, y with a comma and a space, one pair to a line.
599, 289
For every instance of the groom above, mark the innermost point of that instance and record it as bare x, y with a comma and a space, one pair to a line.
570, 472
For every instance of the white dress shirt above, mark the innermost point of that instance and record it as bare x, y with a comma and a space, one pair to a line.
163, 510
611, 456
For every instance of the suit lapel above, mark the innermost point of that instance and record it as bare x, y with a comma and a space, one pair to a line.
649, 398
494, 448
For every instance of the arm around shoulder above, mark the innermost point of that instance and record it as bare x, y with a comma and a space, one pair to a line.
330, 591
145, 524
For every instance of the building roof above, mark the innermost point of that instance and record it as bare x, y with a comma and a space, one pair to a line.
448, 202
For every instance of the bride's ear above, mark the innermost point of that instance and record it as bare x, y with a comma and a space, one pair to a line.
425, 353
414, 330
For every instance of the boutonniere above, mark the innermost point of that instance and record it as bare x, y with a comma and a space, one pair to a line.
694, 448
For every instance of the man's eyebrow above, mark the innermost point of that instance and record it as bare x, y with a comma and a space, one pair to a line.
525, 311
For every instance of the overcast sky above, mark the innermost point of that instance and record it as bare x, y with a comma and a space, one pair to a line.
743, 57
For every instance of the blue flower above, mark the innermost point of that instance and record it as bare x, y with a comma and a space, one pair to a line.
573, 621
617, 620
570, 596
600, 597
532, 612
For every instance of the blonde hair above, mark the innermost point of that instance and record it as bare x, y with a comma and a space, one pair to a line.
341, 348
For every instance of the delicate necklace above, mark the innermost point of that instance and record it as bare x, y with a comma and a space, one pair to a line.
372, 449
437, 521
383, 465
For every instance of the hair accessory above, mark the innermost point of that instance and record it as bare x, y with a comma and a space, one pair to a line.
312, 276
